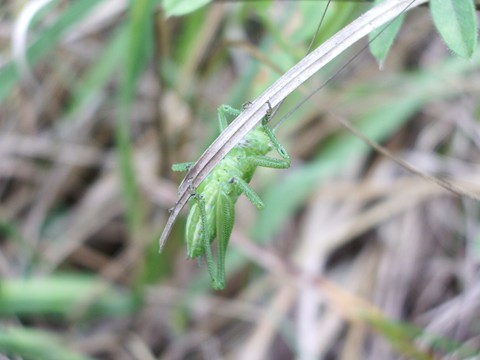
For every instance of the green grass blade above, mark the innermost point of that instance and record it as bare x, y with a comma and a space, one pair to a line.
96, 78
137, 52
182, 7
60, 294
35, 345
403, 336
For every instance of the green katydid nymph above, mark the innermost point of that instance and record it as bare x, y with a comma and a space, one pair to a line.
212, 202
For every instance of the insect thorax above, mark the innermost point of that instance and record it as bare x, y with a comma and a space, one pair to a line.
256, 142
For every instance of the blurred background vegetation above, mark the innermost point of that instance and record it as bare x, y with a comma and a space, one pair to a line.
99, 98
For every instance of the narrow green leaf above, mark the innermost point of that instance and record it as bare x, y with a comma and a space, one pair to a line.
456, 22
476, 247
381, 39
94, 80
138, 51
182, 7
402, 337
59, 295
35, 345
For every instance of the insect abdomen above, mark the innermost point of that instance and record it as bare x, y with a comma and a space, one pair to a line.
194, 232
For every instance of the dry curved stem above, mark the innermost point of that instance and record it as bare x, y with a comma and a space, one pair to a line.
20, 36
291, 80
446, 184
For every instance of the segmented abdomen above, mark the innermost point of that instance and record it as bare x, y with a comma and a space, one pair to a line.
217, 181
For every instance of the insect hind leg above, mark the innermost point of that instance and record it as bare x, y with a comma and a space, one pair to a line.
266, 161
225, 214
198, 198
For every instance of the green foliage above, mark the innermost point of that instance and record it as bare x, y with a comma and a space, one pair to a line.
35, 345
381, 39
138, 50
182, 7
64, 296
456, 21
402, 337
91, 85
476, 247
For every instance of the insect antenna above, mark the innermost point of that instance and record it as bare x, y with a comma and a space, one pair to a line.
317, 31
342, 68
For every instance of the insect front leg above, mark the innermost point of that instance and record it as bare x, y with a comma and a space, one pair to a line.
267, 161
222, 112
247, 190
